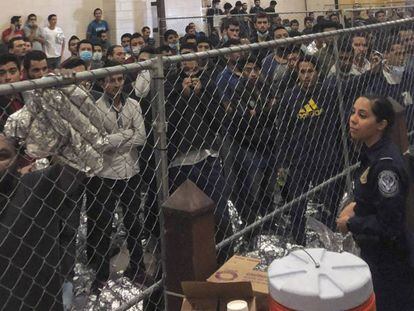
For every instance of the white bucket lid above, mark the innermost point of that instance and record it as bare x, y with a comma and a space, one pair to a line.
237, 305
319, 280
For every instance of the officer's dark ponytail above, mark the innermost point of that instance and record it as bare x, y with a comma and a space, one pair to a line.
383, 110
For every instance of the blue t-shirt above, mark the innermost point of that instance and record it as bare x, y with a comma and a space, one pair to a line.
94, 27
226, 84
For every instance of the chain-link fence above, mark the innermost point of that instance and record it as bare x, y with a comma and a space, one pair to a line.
213, 25
260, 128
366, 15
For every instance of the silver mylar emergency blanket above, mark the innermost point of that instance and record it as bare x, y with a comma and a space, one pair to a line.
64, 123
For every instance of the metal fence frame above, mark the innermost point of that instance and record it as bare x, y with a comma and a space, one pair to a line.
156, 66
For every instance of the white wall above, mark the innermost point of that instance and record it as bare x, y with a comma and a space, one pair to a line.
174, 8
73, 15
128, 15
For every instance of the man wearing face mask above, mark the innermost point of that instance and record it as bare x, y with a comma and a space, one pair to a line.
85, 49
230, 31
262, 25
171, 39
137, 43
390, 78
97, 56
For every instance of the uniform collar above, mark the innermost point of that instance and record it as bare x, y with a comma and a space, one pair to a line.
371, 153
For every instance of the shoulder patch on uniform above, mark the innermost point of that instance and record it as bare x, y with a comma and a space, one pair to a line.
388, 183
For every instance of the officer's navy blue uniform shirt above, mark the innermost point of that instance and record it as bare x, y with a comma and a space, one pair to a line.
381, 185
380, 193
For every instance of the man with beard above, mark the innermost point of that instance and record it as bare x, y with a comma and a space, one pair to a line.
262, 26
285, 75
29, 226
274, 64
325, 54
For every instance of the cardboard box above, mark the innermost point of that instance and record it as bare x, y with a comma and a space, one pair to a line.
241, 269
209, 296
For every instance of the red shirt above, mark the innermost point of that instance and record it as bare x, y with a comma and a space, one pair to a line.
8, 31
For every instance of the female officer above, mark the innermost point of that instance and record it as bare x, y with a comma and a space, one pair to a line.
377, 217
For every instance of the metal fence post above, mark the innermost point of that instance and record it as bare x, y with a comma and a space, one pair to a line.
342, 114
160, 145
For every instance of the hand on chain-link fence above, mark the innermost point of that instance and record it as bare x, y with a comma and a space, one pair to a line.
87, 160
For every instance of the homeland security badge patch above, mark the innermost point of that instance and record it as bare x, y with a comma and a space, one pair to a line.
388, 183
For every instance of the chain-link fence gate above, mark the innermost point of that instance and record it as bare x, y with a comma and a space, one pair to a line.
260, 128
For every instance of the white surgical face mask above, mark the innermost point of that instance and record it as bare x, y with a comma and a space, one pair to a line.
97, 56
136, 50
397, 71
174, 46
393, 74
85, 55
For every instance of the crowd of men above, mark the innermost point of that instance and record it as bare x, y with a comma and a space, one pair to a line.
244, 126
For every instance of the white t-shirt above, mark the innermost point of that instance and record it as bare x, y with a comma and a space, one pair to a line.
54, 39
